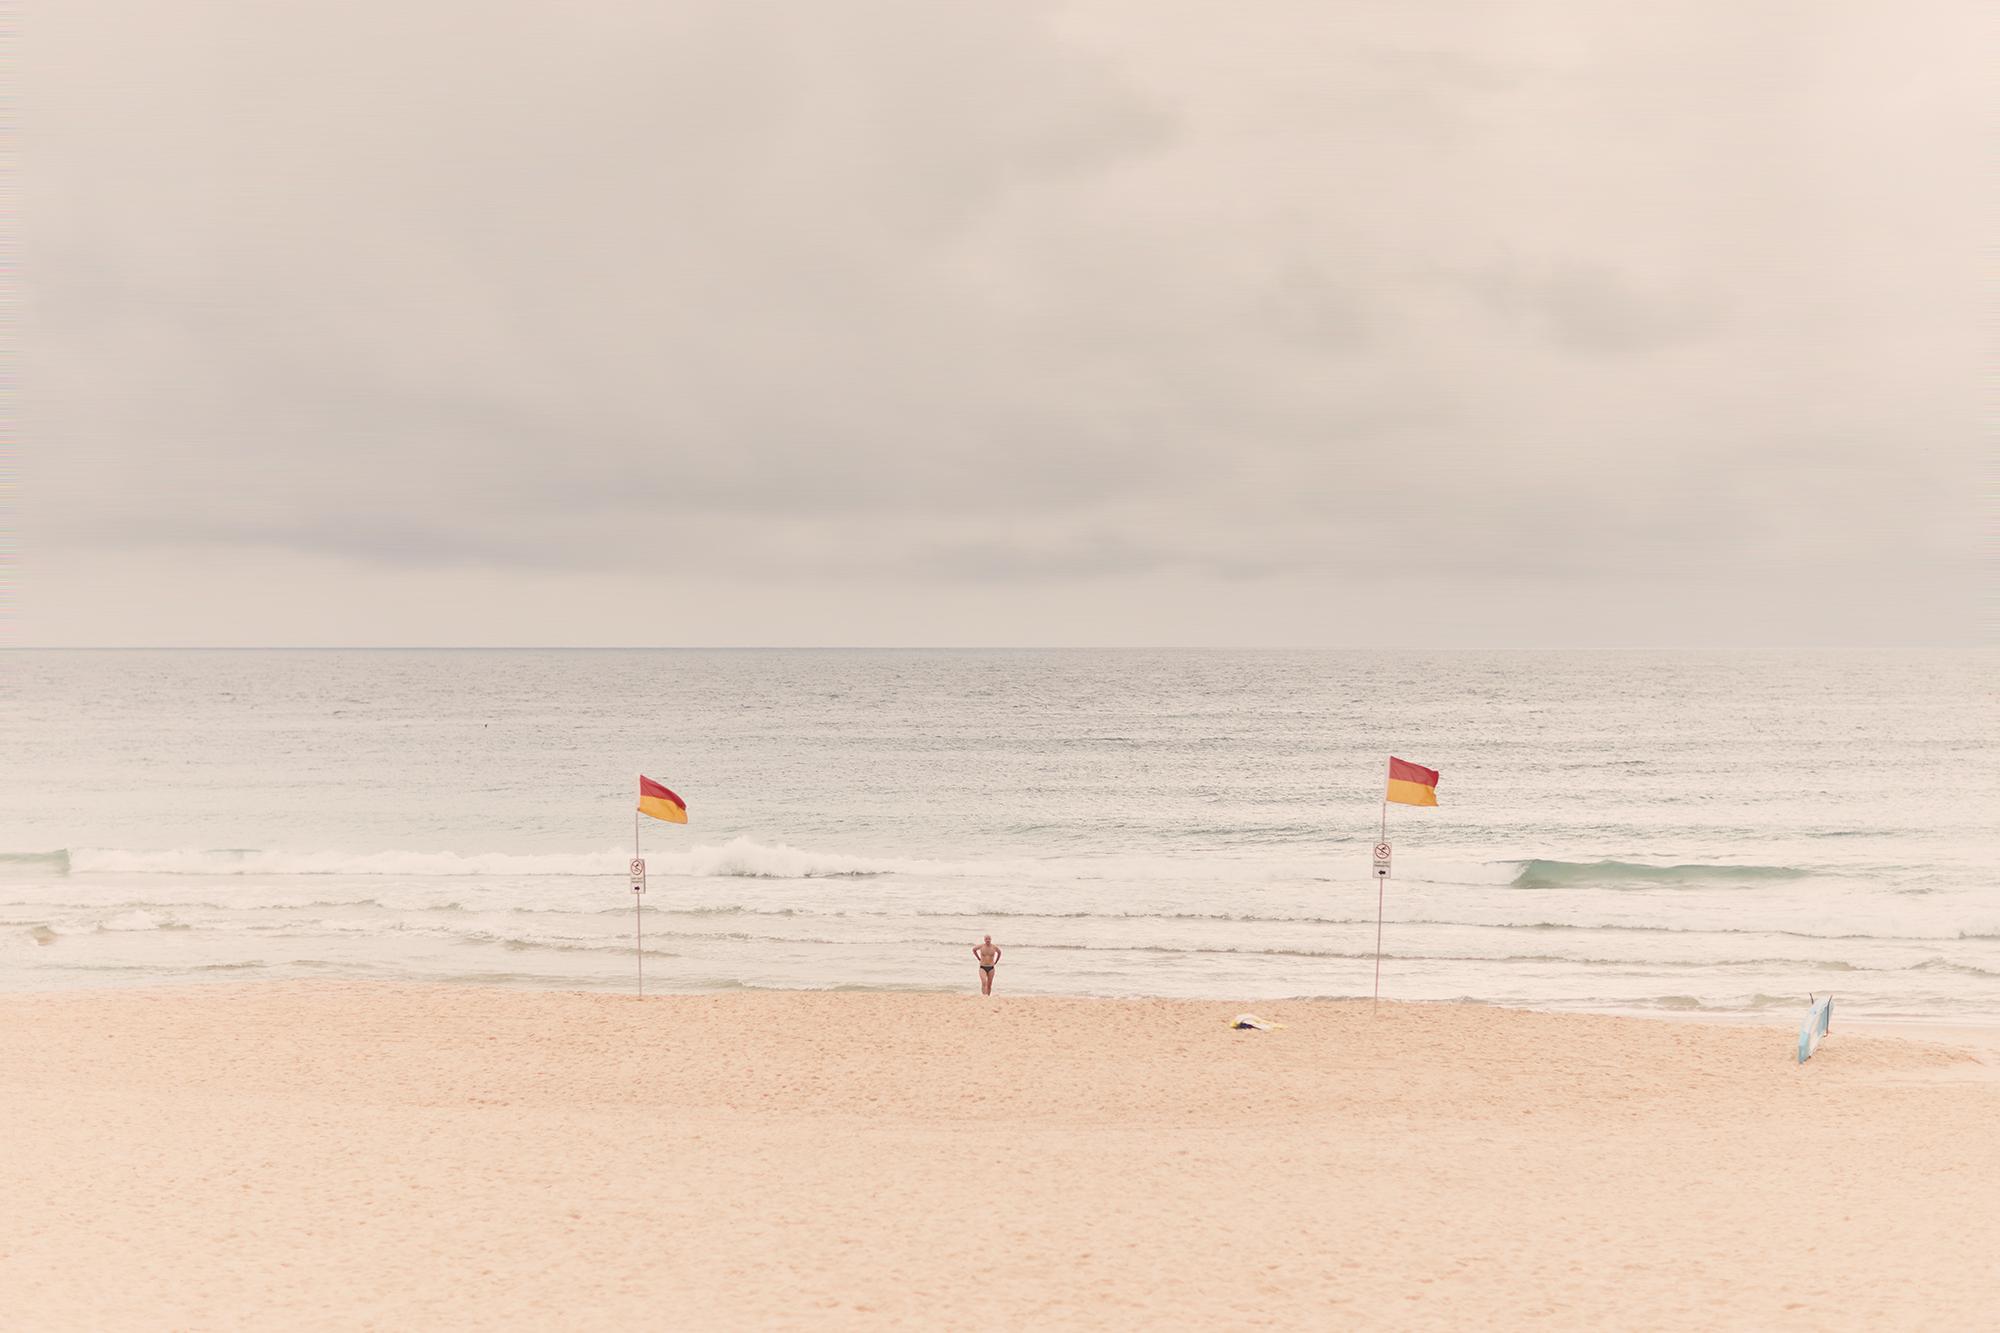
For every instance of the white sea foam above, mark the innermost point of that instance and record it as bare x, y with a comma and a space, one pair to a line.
745, 857
235, 861
135, 920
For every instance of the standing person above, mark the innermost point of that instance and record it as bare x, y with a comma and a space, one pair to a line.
988, 955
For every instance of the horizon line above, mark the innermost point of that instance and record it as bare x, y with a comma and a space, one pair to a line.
969, 648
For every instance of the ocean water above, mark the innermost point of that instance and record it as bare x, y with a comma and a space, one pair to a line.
1617, 831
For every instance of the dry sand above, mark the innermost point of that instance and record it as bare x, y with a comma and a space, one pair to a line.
347, 1155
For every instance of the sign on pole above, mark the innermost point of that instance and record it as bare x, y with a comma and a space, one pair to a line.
1381, 887
638, 923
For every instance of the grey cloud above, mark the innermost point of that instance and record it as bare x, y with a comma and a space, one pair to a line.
1590, 308
987, 292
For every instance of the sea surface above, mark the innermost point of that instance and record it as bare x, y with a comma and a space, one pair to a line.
1616, 831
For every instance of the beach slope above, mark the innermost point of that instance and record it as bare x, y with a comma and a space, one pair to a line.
348, 1155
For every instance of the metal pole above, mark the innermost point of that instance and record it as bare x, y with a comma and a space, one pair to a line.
1381, 888
638, 923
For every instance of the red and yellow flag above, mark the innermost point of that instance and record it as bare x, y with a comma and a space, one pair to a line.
660, 803
1412, 784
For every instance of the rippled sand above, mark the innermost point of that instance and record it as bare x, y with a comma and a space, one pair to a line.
346, 1155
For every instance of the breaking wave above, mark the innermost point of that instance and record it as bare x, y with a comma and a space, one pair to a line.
34, 863
741, 857
1626, 874
250, 861
744, 857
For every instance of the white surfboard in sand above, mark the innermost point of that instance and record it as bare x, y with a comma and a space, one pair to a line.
1816, 1022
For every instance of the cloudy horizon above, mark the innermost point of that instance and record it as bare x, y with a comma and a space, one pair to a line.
880, 323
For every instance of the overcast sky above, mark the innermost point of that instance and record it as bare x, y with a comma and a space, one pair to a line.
1233, 322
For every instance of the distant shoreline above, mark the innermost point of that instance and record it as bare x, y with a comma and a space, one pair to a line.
1957, 1031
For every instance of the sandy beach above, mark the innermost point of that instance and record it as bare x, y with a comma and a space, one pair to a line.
348, 1155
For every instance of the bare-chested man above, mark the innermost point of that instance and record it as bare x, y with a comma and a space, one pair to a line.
988, 955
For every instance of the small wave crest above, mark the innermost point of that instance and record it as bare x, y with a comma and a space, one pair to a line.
34, 863
250, 861
741, 857
1629, 875
745, 857
139, 919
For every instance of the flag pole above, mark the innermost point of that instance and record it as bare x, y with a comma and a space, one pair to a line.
638, 922
1381, 889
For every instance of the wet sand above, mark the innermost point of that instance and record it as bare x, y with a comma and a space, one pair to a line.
348, 1155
